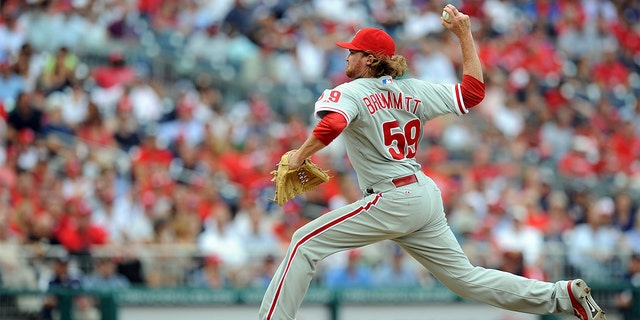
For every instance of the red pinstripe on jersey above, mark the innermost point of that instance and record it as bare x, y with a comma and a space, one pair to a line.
459, 100
310, 236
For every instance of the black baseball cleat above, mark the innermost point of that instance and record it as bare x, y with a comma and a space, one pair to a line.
584, 307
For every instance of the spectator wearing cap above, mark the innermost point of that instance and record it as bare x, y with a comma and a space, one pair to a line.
210, 275
62, 278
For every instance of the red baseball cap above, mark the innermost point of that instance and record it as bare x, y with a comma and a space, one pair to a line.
371, 40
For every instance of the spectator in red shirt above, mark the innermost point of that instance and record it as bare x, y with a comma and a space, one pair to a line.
575, 163
80, 234
626, 145
610, 72
116, 72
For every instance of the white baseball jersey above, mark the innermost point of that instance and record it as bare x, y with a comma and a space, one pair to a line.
385, 117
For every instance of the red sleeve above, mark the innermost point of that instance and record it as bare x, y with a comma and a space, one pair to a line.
329, 127
472, 91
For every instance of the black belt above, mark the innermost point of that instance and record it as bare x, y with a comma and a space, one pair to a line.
399, 182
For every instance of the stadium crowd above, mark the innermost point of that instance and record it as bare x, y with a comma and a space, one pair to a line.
143, 133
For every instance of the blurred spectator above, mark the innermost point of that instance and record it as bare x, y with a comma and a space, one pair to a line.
24, 116
28, 65
210, 274
219, 238
423, 20
632, 236
624, 300
625, 144
559, 219
625, 212
95, 36
103, 204
396, 273
127, 131
264, 272
354, 274
556, 133
131, 221
151, 155
11, 83
146, 100
58, 72
239, 18
610, 73
390, 15
591, 246
184, 129
111, 81
105, 276
62, 278
580, 38
577, 163
80, 234
75, 185
430, 63
93, 130
254, 229
15, 272
523, 240
131, 267
12, 34
55, 129
197, 47
75, 100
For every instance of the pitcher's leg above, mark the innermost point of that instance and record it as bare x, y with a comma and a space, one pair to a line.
338, 230
438, 250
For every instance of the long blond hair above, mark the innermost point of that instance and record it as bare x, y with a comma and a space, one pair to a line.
395, 66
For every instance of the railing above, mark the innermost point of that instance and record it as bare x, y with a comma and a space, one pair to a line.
110, 303
26, 302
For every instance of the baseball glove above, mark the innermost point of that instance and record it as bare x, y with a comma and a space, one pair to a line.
291, 182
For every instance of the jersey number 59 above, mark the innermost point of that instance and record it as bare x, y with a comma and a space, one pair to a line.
402, 142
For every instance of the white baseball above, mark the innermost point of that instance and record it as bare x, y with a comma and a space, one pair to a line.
445, 16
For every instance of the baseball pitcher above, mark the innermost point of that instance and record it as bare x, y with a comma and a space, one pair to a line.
381, 117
